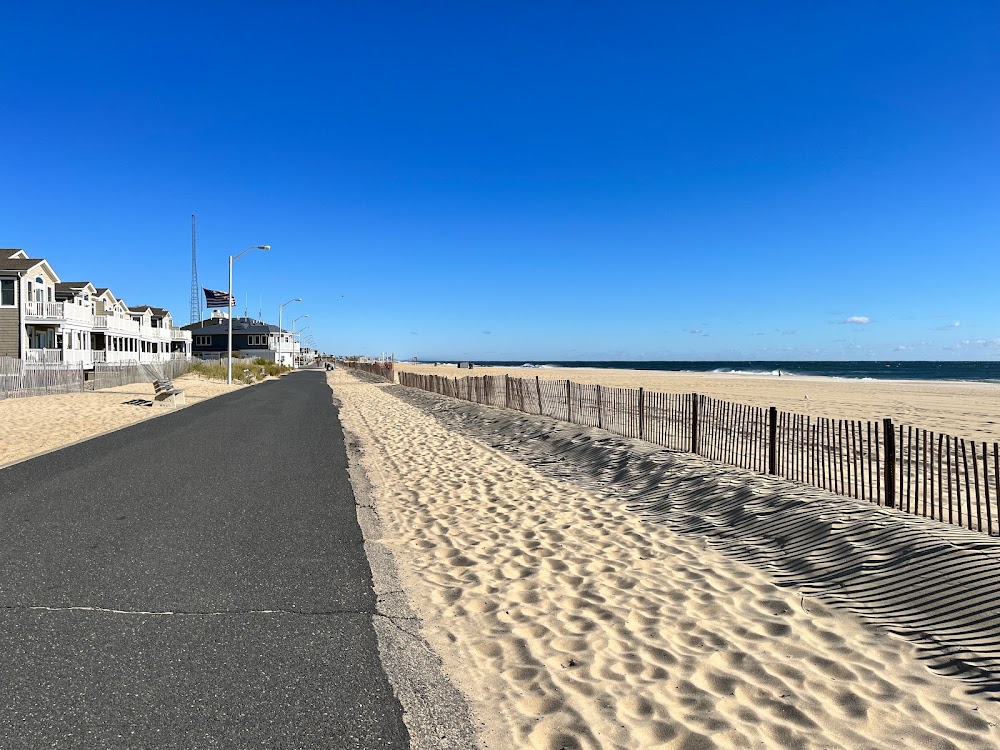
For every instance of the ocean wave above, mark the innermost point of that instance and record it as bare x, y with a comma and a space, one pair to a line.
732, 371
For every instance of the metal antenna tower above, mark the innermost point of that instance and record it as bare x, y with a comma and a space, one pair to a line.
195, 291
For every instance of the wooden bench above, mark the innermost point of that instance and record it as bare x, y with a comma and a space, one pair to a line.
165, 389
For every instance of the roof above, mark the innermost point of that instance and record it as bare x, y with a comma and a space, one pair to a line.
27, 264
68, 289
158, 312
10, 252
215, 326
20, 264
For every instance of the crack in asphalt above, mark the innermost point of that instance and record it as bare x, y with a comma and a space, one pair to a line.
206, 613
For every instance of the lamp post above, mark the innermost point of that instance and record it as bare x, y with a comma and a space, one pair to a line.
281, 337
307, 341
229, 368
293, 340
293, 335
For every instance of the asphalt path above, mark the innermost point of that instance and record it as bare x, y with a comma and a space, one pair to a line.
193, 581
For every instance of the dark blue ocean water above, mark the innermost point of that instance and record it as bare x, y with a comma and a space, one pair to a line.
970, 371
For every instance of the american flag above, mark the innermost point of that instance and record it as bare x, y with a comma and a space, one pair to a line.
218, 299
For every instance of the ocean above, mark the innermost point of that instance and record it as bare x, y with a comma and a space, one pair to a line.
967, 371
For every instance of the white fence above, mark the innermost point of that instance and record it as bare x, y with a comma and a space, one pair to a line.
19, 378
111, 374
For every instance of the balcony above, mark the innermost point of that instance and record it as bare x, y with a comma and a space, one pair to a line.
111, 324
44, 356
58, 312
60, 357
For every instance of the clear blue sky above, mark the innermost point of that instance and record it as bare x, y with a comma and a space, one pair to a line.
664, 180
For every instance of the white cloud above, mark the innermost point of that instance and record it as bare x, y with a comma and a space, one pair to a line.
860, 320
989, 345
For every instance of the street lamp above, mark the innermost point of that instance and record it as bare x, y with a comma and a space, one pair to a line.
293, 335
281, 338
293, 338
229, 368
307, 342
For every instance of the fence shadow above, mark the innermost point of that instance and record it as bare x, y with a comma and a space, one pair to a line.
907, 468
933, 585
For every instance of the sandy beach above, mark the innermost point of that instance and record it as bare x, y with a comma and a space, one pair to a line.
969, 410
44, 423
569, 621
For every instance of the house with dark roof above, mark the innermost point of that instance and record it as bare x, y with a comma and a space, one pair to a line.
44, 319
251, 339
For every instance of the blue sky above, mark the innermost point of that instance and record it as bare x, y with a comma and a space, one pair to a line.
667, 180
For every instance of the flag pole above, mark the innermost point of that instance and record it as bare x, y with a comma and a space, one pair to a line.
229, 368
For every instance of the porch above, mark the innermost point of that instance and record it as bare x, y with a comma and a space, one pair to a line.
57, 312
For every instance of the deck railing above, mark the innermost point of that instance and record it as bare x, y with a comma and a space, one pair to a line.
917, 471
44, 356
58, 311
115, 324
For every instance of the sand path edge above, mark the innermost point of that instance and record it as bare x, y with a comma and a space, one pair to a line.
435, 712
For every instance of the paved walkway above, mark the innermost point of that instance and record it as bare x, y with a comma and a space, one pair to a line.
197, 580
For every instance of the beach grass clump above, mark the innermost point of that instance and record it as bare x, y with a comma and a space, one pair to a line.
210, 370
265, 368
243, 371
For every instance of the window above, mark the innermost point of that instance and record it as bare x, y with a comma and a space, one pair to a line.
202, 340
256, 340
7, 292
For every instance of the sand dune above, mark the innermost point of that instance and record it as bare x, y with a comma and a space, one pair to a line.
934, 584
969, 410
572, 622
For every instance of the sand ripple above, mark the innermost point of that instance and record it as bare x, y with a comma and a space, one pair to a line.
571, 622
933, 584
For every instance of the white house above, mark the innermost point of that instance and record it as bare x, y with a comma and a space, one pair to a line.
46, 320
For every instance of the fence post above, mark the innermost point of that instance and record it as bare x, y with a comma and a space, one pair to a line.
506, 389
642, 412
599, 420
538, 386
694, 422
569, 402
772, 440
890, 464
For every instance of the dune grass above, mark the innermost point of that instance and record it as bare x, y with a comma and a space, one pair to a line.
244, 370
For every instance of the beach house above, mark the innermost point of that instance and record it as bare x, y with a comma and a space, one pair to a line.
44, 320
251, 339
